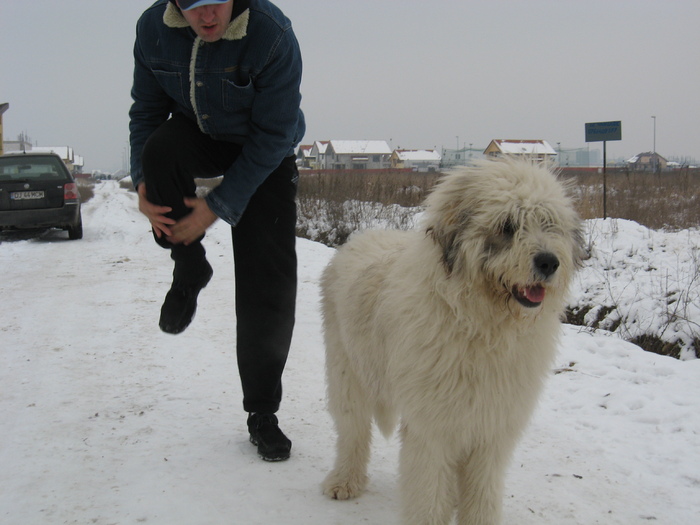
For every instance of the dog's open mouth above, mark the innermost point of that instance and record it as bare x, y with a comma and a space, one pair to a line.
529, 296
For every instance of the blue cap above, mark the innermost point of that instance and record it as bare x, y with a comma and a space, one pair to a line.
186, 5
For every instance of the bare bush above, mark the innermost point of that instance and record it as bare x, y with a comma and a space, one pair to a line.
86, 189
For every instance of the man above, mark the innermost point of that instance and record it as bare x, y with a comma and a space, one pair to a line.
216, 92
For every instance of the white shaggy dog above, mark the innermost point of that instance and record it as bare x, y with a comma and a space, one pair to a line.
452, 330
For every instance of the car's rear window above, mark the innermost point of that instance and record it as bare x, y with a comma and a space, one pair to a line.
12, 168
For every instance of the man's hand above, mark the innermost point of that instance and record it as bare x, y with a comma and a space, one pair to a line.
191, 227
156, 214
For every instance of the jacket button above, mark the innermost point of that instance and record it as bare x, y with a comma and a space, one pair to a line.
200, 83
205, 117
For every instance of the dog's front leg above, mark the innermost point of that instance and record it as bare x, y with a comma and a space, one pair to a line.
480, 484
351, 412
427, 481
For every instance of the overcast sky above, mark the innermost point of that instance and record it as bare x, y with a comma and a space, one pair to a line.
415, 73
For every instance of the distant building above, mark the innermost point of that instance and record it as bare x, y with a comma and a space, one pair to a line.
318, 154
416, 159
586, 157
357, 155
538, 150
648, 161
459, 157
305, 159
74, 162
13, 146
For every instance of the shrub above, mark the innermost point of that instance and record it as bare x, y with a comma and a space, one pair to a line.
86, 189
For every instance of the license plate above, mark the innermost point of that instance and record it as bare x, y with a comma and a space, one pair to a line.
26, 195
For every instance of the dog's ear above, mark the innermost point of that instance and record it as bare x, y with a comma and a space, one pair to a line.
445, 233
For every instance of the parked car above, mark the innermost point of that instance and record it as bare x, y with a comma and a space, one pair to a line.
38, 191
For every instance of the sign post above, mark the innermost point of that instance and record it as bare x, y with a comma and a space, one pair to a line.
603, 132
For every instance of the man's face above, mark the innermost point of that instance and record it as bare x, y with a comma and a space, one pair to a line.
210, 21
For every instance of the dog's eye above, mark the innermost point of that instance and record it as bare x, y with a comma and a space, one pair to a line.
509, 228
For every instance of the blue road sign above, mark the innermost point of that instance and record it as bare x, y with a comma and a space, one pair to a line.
603, 131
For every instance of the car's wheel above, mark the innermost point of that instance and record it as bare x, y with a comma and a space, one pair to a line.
76, 230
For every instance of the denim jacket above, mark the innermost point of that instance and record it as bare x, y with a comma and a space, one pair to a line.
243, 88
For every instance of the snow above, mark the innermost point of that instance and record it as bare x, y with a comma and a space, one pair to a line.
648, 280
106, 420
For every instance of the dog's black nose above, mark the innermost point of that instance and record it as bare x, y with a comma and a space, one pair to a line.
546, 263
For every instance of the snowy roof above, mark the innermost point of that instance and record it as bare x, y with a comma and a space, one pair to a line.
365, 147
321, 146
305, 150
65, 152
418, 154
644, 157
525, 147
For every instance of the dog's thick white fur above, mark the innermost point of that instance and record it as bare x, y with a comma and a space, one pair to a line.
451, 330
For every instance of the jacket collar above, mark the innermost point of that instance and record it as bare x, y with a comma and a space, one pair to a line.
237, 29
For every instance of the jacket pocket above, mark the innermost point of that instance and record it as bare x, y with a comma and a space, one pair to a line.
237, 97
172, 84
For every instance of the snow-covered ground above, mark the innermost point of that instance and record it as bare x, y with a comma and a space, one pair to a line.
106, 420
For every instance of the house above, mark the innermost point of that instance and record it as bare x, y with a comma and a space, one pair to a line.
74, 162
648, 161
318, 154
416, 159
538, 150
459, 157
304, 157
357, 155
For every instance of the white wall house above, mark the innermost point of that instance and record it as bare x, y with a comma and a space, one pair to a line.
318, 153
357, 155
416, 159
75, 163
304, 156
539, 150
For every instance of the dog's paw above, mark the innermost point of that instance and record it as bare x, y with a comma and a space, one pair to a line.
341, 488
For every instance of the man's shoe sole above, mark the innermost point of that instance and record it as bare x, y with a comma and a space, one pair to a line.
174, 328
268, 457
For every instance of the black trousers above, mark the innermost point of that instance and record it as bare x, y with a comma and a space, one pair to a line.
265, 263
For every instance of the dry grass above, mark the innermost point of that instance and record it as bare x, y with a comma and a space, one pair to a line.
86, 189
668, 200
402, 187
333, 204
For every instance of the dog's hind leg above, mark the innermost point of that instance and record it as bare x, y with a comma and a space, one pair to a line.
427, 482
352, 412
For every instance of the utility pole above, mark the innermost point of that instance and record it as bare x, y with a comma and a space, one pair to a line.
654, 152
3, 107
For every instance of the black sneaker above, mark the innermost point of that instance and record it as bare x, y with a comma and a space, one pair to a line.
265, 434
180, 303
